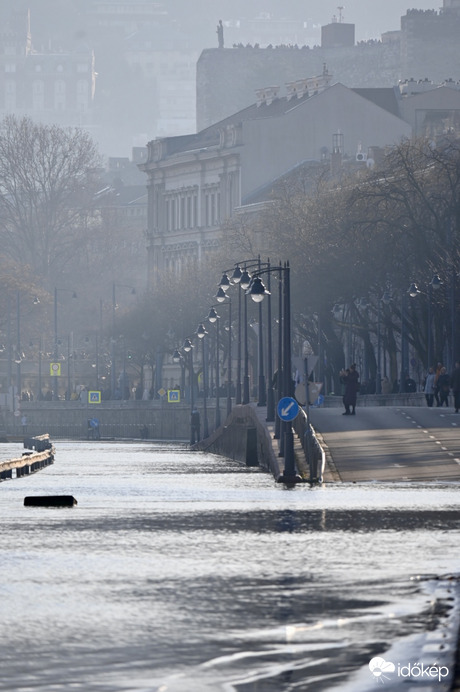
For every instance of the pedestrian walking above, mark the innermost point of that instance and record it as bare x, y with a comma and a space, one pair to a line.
195, 426
350, 378
437, 373
455, 384
443, 387
428, 388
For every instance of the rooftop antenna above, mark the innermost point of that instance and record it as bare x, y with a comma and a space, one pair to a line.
340, 8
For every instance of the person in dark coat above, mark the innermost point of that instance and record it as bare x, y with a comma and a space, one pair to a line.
455, 384
443, 387
195, 433
350, 378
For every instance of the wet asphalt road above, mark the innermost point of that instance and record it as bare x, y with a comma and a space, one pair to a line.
386, 443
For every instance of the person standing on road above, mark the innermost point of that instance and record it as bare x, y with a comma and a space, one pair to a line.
428, 389
350, 378
436, 386
195, 425
443, 387
455, 384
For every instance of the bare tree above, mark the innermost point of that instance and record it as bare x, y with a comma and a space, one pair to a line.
48, 177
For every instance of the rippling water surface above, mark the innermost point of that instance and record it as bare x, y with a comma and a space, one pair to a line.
186, 572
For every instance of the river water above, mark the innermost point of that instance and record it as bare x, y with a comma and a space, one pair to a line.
186, 572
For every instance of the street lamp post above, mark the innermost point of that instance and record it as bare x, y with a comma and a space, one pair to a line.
188, 349
244, 284
270, 393
378, 374
412, 291
214, 318
236, 277
56, 338
112, 342
262, 389
18, 345
433, 286
229, 365
40, 393
243, 279
257, 291
177, 358
201, 333
224, 298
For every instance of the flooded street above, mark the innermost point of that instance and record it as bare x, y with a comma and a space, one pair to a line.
186, 572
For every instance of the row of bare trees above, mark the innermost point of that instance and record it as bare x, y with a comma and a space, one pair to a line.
355, 246
57, 231
366, 238
350, 243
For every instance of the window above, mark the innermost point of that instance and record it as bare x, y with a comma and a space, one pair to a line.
82, 95
189, 212
182, 223
10, 95
38, 96
59, 95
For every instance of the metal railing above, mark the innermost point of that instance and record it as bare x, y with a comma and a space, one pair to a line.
314, 453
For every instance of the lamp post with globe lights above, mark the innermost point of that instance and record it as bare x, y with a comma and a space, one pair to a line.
201, 333
258, 292
221, 298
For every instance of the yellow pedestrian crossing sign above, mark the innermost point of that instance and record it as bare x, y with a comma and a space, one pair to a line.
55, 369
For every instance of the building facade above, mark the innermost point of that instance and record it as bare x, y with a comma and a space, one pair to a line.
50, 86
196, 182
424, 47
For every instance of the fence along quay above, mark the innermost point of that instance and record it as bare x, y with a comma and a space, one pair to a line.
41, 455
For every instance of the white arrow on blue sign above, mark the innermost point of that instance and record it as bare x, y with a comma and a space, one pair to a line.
287, 408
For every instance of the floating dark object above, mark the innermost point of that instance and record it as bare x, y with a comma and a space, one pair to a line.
50, 501
290, 480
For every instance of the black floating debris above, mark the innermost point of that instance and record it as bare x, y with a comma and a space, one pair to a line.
290, 480
50, 501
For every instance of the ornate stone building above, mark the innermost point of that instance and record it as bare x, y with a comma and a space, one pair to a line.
197, 181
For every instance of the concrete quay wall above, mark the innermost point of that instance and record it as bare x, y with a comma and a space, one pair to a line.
245, 437
117, 419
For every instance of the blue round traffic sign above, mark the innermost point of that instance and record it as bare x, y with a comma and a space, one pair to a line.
287, 408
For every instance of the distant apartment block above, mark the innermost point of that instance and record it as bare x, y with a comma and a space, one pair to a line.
51, 87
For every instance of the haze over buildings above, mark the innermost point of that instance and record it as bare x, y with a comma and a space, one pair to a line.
126, 71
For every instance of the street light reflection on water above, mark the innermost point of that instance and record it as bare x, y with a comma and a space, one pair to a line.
186, 572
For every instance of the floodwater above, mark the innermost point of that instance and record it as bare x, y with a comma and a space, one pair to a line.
186, 572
